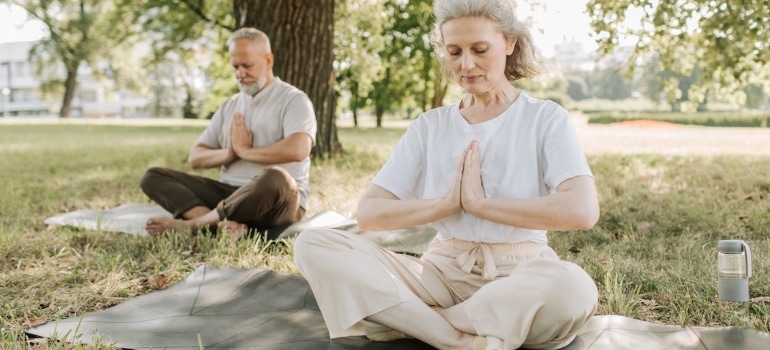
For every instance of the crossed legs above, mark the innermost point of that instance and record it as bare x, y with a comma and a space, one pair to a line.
269, 199
526, 308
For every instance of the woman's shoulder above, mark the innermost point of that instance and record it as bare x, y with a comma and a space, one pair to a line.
542, 109
438, 113
540, 104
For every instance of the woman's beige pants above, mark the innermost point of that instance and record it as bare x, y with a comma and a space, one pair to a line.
518, 292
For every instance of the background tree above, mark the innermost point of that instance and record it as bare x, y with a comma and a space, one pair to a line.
357, 44
90, 33
577, 89
189, 36
727, 41
411, 28
609, 83
411, 73
301, 33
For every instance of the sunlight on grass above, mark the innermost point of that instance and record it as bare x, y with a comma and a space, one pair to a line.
652, 254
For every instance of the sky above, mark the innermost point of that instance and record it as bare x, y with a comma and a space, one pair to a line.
562, 19
15, 27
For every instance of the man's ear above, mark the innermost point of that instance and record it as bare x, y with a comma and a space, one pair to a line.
269, 58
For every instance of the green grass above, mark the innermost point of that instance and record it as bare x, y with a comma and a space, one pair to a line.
652, 254
721, 119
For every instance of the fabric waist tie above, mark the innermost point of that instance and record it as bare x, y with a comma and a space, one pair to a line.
470, 257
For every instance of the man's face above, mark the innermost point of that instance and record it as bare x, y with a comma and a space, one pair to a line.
252, 64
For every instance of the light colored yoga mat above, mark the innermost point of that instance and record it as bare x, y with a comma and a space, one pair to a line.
131, 218
225, 308
128, 218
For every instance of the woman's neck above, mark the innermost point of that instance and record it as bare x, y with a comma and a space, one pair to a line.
483, 107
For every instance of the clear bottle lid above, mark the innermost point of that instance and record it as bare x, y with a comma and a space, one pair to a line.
732, 265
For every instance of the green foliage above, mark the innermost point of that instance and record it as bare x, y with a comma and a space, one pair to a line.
411, 75
87, 33
189, 110
357, 43
189, 35
721, 46
577, 88
552, 89
721, 119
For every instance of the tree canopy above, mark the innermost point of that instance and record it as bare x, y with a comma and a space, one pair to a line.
722, 43
89, 33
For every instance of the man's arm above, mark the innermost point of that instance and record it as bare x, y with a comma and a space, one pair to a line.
203, 157
294, 148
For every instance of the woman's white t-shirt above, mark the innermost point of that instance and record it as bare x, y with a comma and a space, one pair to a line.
526, 152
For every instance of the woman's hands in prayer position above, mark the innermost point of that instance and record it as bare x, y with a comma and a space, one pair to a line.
467, 188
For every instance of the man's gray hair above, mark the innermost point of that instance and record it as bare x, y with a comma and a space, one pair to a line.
256, 36
525, 62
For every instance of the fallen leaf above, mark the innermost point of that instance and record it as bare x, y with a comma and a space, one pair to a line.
765, 300
34, 322
644, 226
159, 281
574, 249
648, 302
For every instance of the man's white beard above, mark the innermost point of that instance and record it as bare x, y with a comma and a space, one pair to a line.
253, 88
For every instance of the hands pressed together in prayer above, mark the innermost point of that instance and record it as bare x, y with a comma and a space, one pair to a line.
467, 189
240, 138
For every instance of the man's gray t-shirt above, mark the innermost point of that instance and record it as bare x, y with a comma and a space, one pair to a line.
271, 115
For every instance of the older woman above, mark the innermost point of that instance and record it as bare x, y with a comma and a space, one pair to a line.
492, 173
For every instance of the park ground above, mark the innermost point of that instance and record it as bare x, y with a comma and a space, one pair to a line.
668, 194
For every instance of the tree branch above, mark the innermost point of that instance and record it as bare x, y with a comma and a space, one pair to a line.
198, 11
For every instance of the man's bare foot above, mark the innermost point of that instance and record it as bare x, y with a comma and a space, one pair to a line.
233, 229
160, 225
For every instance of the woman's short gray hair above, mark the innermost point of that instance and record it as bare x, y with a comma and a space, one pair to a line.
256, 36
524, 62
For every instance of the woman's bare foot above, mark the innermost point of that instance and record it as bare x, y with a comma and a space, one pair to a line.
233, 229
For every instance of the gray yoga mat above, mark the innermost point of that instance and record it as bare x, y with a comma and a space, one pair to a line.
223, 308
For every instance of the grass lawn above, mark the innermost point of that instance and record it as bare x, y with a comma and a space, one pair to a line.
652, 254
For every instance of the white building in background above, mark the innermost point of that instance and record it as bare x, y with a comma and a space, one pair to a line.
21, 96
572, 54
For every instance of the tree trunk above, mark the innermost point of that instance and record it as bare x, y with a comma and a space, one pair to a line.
379, 111
70, 85
301, 34
440, 88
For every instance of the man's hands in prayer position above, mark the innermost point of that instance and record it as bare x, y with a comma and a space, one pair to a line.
240, 137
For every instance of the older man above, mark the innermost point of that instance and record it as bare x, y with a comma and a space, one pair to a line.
260, 139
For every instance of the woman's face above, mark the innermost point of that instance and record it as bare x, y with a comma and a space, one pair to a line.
475, 51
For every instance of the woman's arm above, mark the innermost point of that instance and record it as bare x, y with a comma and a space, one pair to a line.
379, 209
574, 206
